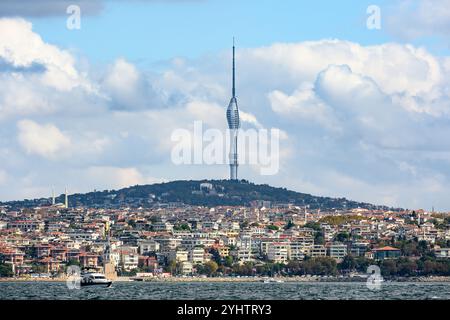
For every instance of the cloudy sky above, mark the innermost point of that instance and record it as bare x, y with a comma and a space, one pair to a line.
364, 114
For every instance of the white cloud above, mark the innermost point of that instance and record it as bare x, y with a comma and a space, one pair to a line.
21, 47
3, 177
116, 177
44, 140
303, 105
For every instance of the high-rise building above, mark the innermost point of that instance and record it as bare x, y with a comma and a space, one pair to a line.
233, 125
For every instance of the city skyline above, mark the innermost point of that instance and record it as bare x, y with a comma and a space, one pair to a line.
144, 160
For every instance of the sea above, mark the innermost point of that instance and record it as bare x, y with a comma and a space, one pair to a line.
227, 291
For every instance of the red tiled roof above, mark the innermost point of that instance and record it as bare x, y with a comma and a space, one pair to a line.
386, 249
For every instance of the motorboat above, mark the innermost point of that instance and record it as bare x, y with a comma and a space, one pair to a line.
94, 279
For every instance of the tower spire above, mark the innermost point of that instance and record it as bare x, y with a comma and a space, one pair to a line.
234, 71
233, 124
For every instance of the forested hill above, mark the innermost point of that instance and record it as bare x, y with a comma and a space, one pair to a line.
199, 193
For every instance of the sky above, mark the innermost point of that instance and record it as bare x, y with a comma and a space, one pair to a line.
363, 113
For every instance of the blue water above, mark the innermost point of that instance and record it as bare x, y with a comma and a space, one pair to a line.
226, 291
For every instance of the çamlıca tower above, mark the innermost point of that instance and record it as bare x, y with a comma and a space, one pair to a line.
233, 125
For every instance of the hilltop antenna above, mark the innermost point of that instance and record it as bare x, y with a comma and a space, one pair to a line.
233, 124
234, 70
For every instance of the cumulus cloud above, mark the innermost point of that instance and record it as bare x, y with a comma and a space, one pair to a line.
128, 89
43, 140
116, 177
21, 47
303, 105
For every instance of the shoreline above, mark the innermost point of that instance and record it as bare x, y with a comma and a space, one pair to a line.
310, 279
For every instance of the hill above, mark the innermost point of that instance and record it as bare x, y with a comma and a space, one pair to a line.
212, 193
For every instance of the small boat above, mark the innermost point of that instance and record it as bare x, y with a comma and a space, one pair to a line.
94, 279
271, 280
137, 279
375, 280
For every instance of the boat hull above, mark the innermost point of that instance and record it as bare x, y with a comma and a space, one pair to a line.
98, 284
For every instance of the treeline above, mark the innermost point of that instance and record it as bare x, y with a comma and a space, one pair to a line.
240, 193
326, 266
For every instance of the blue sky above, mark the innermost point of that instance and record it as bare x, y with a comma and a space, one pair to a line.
362, 112
152, 32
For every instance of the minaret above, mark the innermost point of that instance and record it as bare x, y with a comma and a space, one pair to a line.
66, 202
233, 125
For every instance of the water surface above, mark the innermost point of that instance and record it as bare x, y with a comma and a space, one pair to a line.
226, 291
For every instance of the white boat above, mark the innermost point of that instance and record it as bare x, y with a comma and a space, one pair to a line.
375, 280
271, 280
94, 279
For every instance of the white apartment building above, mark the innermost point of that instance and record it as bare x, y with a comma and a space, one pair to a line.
162, 226
243, 255
230, 225
278, 252
179, 255
186, 268
197, 255
190, 243
148, 246
297, 250
168, 244
129, 260
85, 236
337, 251
442, 253
318, 251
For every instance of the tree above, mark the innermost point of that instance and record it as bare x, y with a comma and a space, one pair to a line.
289, 225
172, 267
209, 268
6, 270
228, 261
272, 227
342, 237
362, 264
422, 247
244, 270
319, 238
320, 266
216, 256
313, 225
406, 267
388, 268
74, 262
182, 227
244, 225
348, 263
